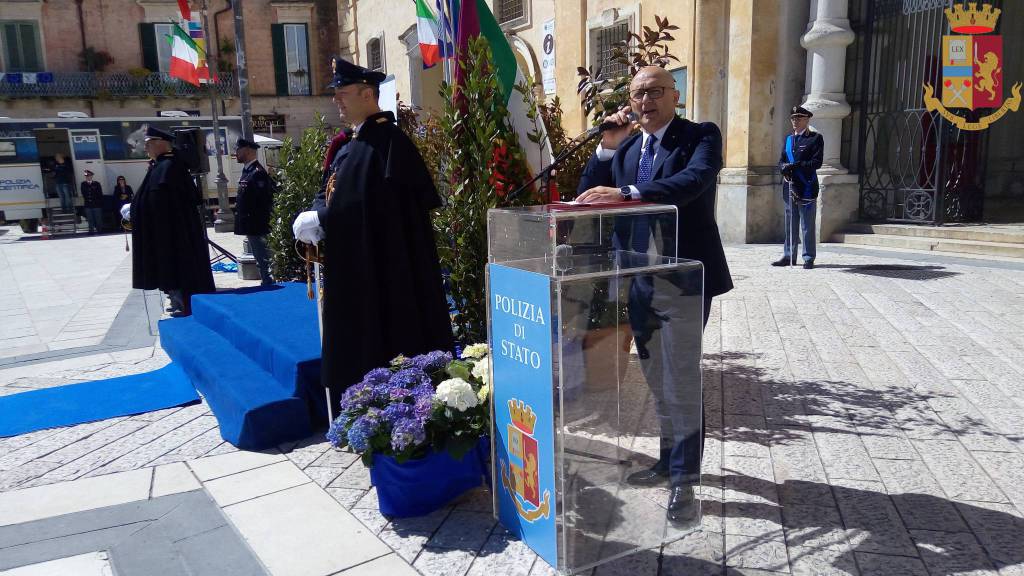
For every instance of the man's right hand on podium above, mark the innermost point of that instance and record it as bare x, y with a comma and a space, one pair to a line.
612, 138
307, 227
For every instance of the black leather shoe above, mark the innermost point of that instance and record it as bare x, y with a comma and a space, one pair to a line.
782, 262
649, 477
808, 265
682, 507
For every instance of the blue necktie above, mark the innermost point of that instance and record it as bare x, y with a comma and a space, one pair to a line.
646, 161
642, 224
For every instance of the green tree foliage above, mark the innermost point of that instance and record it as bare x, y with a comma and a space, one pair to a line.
478, 161
298, 176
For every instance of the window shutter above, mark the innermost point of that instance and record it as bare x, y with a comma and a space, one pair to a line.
309, 68
13, 55
147, 38
280, 59
29, 51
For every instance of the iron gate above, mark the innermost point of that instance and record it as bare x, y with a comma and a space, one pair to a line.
914, 165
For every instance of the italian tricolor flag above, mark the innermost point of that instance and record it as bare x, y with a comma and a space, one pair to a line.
184, 56
427, 30
476, 19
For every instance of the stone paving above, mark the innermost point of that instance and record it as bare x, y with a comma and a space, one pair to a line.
865, 417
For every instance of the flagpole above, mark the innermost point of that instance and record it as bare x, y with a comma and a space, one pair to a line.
225, 219
443, 29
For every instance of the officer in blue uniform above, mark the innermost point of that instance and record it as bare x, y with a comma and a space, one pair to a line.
800, 159
253, 205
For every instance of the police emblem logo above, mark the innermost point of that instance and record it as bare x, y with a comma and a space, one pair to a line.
972, 69
520, 474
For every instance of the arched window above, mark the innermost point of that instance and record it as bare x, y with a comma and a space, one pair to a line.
375, 54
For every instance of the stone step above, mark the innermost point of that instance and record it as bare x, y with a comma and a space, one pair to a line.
998, 234
948, 245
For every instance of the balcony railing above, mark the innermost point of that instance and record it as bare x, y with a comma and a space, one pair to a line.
115, 85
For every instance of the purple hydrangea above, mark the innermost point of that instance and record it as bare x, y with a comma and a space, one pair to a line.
399, 394
336, 432
407, 432
377, 376
363, 429
399, 411
357, 397
432, 361
409, 378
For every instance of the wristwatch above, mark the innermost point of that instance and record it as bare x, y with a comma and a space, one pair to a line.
627, 194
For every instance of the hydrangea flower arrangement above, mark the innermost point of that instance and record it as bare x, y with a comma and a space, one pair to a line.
429, 402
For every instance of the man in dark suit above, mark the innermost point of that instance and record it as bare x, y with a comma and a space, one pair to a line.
670, 161
801, 157
253, 205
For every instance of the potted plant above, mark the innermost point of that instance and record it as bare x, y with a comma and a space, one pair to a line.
420, 425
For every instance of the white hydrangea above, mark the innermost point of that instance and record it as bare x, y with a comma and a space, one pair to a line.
456, 393
482, 370
483, 393
475, 351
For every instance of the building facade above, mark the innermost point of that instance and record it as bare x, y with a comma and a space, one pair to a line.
857, 64
127, 75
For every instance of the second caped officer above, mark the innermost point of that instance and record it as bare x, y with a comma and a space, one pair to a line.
253, 205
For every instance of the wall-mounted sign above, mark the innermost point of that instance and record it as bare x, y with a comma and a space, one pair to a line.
269, 123
547, 59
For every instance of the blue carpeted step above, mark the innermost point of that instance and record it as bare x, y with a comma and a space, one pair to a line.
254, 410
275, 327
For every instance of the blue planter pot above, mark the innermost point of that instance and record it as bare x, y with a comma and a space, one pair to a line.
421, 486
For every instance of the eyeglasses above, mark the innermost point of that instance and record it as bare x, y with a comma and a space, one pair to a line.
652, 93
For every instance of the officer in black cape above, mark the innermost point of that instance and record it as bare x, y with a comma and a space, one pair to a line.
170, 250
383, 292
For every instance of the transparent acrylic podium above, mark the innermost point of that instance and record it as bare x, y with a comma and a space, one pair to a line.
595, 331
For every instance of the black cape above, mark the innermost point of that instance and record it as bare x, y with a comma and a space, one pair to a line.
169, 248
383, 293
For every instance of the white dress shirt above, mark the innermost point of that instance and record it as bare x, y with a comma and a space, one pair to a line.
605, 155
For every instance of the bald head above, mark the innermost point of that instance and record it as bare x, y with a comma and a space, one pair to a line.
653, 97
657, 73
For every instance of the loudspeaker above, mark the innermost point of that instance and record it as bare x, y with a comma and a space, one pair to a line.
191, 148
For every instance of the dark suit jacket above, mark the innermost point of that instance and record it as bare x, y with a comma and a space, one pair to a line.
685, 174
254, 201
808, 149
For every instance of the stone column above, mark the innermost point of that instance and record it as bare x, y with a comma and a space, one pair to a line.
828, 34
827, 37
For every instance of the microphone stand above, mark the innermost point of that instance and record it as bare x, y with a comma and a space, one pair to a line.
545, 173
220, 253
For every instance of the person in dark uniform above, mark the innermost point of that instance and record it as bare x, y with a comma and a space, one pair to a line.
170, 250
383, 293
92, 195
64, 179
253, 204
801, 157
123, 193
670, 160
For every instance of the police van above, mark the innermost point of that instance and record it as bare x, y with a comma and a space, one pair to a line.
109, 147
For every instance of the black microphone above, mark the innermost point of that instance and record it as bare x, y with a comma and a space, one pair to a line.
609, 125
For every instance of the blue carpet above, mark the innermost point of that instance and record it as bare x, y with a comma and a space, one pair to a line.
254, 354
99, 400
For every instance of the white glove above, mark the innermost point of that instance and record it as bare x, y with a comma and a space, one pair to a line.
126, 212
307, 227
